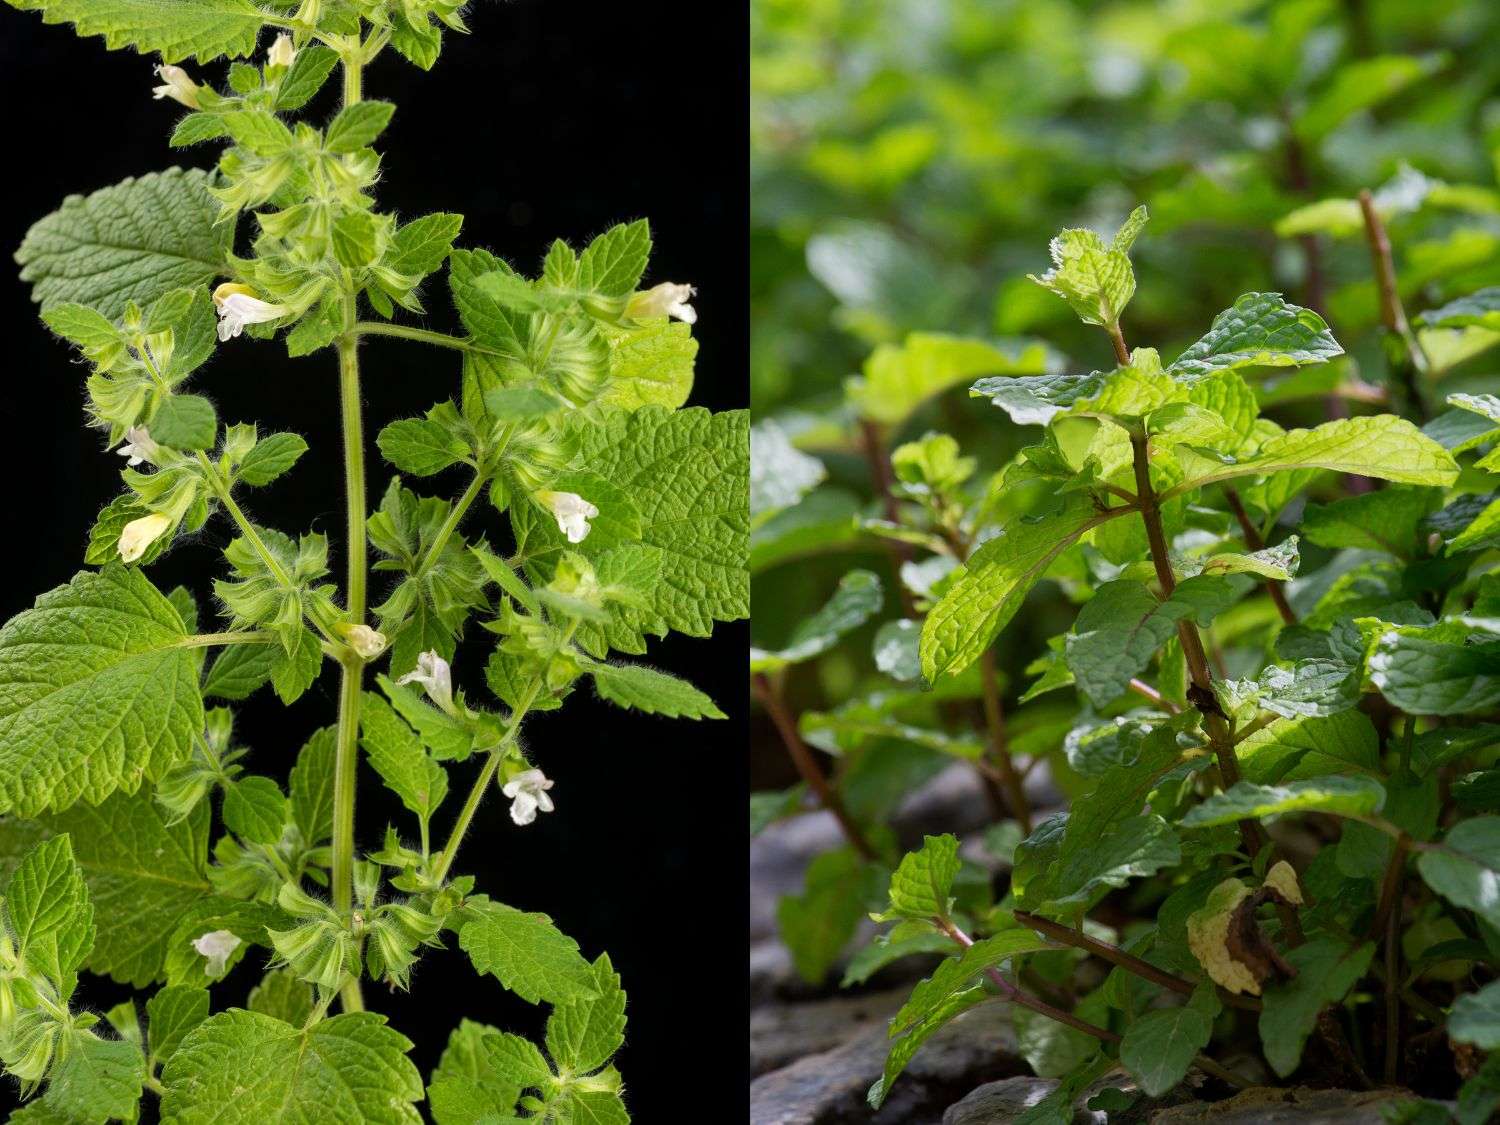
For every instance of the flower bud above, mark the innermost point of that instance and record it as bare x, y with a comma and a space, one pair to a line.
216, 947
367, 643
282, 52
140, 534
571, 511
177, 85
238, 306
666, 299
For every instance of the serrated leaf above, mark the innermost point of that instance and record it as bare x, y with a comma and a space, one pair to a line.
134, 241
48, 911
922, 884
816, 924
309, 70
650, 364
170, 1015
143, 875
97, 1079
656, 693
1326, 970
424, 244
398, 757
897, 379
1343, 796
527, 953
95, 693
272, 456
358, 125
685, 474
857, 599
311, 785
1259, 330
245, 1068
205, 28
239, 670
255, 809
1430, 673
292, 673
1158, 1048
1379, 445
612, 264
998, 576
282, 995
582, 1036
1094, 277
420, 447
463, 1087
185, 422
1389, 520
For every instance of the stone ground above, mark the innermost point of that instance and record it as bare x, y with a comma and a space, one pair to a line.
815, 1052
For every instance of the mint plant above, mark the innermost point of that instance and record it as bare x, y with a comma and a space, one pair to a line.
1279, 854
141, 839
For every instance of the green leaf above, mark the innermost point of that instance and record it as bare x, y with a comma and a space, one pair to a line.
143, 876
903, 1049
272, 456
998, 576
1476, 1018
1428, 675
423, 245
463, 1087
49, 912
282, 995
899, 378
134, 241
309, 70
1158, 1049
1389, 520
1466, 871
255, 809
957, 973
1091, 861
1379, 445
857, 599
95, 693
245, 1068
518, 1061
292, 673
780, 473
818, 924
1326, 970
311, 785
1095, 278
1036, 400
612, 264
650, 364
420, 447
656, 693
97, 1079
398, 757
1359, 85
1342, 796
684, 472
922, 885
527, 953
582, 1036
1480, 309
1260, 330
205, 28
1310, 747
170, 1015
358, 125
185, 422
240, 669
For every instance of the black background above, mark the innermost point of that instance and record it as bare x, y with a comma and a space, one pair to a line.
552, 120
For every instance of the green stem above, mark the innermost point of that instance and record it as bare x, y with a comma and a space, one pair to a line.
421, 335
450, 525
346, 753
242, 521
208, 640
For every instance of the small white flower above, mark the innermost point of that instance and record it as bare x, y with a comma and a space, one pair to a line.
528, 794
139, 534
666, 299
282, 52
138, 446
177, 85
436, 678
216, 946
238, 306
572, 513
367, 642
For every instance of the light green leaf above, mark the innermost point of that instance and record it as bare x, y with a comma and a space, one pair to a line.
857, 599
424, 244
527, 953
898, 378
309, 70
48, 910
1359, 85
1096, 279
1466, 871
1379, 445
1426, 674
612, 264
922, 885
358, 125
904, 1048
656, 693
97, 1079
273, 455
1035, 400
817, 924
245, 1068
398, 757
1389, 520
255, 809
95, 693
582, 1036
1260, 330
281, 994
205, 28
1476, 1018
311, 785
463, 1087
134, 241
1326, 970
420, 447
650, 364
170, 1015
1342, 796
1480, 309
1159, 1047
997, 578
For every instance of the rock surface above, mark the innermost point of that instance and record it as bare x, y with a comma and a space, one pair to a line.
783, 1033
1298, 1105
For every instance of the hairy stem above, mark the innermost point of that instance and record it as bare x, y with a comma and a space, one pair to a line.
1255, 542
421, 335
242, 521
994, 718
775, 705
210, 640
346, 751
450, 525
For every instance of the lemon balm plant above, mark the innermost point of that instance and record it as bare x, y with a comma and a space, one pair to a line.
1279, 855
560, 506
